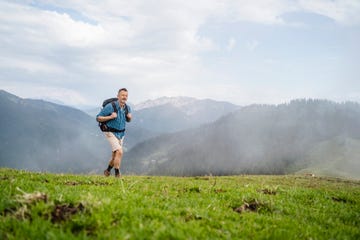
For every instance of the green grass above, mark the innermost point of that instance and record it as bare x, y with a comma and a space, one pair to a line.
53, 206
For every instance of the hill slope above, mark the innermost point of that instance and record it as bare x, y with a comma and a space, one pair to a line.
38, 135
171, 114
255, 139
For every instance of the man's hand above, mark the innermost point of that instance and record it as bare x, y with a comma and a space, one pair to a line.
128, 117
113, 115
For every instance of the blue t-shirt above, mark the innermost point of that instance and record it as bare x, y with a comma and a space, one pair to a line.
119, 122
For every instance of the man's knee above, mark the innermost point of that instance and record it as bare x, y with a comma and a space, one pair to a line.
118, 152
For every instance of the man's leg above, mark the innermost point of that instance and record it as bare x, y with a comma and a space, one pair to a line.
110, 166
117, 162
117, 152
111, 162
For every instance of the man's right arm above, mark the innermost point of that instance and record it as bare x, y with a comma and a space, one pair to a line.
106, 118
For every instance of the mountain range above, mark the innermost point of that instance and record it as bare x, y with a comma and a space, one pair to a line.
303, 135
171, 114
186, 136
44, 136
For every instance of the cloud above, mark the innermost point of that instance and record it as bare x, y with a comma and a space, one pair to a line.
252, 45
156, 49
30, 65
264, 12
231, 44
125, 38
341, 11
271, 11
70, 97
38, 26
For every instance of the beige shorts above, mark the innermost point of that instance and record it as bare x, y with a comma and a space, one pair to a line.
115, 143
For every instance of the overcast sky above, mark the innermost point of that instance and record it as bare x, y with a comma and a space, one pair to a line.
242, 51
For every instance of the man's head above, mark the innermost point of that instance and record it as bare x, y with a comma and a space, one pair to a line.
122, 95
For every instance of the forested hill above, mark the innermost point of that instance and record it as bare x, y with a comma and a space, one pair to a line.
42, 136
317, 135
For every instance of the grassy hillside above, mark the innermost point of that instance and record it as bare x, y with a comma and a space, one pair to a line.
50, 206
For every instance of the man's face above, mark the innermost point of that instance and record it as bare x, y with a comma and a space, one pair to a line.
123, 96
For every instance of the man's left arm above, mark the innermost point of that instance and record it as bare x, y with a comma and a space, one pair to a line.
128, 115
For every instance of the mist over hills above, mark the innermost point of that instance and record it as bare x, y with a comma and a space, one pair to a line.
185, 136
41, 136
170, 114
316, 135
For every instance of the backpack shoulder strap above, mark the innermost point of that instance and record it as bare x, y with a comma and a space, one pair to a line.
126, 113
126, 109
114, 107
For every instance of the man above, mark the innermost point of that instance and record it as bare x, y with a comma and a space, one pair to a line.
116, 122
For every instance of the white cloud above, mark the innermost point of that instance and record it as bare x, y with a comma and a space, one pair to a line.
155, 48
31, 65
252, 45
65, 95
264, 12
70, 97
231, 44
342, 11
271, 11
37, 26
